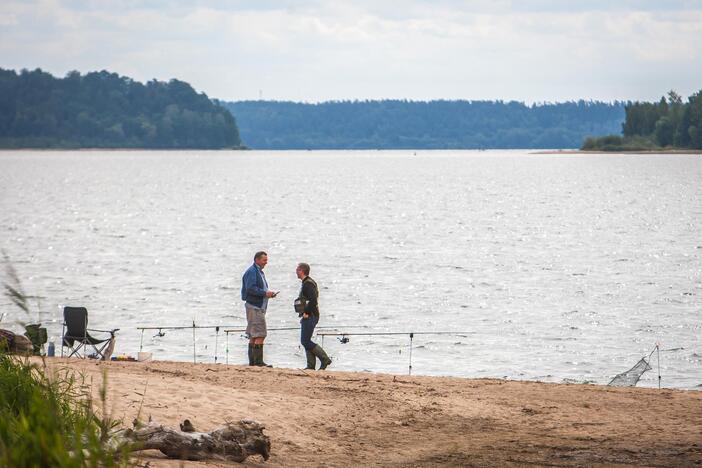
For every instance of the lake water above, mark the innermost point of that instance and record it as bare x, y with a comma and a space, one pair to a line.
546, 267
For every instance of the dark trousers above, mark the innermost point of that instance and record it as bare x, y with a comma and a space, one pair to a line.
306, 330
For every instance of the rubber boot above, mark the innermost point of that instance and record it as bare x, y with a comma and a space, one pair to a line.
258, 356
311, 359
319, 352
251, 354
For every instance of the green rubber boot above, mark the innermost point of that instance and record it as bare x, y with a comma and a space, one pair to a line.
311, 360
319, 352
258, 356
251, 354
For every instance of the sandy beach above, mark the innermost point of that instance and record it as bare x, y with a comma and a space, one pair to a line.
329, 418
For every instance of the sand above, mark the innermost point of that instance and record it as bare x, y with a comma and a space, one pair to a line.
328, 418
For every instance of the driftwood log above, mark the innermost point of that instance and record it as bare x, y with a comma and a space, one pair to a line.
233, 442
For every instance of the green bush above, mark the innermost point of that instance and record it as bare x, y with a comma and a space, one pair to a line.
48, 420
598, 144
617, 143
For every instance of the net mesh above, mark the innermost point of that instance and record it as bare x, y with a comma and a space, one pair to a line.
632, 376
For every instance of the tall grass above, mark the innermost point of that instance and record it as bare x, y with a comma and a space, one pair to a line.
49, 420
15, 292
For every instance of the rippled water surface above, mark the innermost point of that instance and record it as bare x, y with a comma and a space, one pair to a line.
549, 267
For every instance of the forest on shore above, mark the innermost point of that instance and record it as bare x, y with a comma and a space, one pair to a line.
443, 124
105, 110
649, 126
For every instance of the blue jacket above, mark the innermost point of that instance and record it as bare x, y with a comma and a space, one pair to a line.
253, 286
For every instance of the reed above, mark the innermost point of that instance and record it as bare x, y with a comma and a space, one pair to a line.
49, 419
14, 291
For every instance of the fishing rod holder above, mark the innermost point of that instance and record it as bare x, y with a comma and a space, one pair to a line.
344, 338
161, 333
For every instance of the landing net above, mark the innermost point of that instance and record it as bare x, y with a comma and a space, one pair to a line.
631, 377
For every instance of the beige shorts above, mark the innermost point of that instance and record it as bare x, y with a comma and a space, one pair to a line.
255, 321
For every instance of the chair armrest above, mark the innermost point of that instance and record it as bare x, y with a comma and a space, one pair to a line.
103, 331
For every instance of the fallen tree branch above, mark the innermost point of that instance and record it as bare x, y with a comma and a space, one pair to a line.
234, 442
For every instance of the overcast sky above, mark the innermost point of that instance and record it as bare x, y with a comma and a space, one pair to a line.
306, 50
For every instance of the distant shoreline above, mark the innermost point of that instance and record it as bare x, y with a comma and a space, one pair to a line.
242, 148
661, 151
425, 150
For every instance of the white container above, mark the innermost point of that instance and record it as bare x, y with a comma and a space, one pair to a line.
144, 356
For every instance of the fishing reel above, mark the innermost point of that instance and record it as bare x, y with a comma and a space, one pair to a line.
343, 339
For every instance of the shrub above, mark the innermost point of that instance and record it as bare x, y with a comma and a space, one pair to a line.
49, 420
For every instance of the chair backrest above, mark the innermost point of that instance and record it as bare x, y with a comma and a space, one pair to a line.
76, 319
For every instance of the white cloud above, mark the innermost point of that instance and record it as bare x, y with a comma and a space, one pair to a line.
317, 50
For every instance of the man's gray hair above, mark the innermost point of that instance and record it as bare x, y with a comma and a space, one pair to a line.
259, 255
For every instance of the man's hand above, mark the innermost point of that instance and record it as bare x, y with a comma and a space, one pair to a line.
305, 315
271, 293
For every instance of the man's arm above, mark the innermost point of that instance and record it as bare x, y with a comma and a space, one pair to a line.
251, 284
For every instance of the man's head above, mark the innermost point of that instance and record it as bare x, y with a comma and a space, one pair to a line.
260, 259
302, 271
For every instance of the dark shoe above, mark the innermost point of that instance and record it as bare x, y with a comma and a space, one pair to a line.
311, 360
319, 352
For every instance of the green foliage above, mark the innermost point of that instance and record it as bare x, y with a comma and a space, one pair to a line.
669, 123
49, 421
104, 110
664, 131
14, 291
641, 118
618, 143
596, 144
694, 118
395, 124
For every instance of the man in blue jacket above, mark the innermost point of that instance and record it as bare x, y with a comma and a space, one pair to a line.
254, 290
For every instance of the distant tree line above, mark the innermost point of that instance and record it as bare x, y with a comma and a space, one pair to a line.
668, 123
105, 110
396, 124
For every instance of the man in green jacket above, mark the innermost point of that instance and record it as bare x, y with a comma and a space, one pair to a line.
308, 301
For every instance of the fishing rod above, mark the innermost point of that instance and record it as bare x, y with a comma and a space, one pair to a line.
344, 338
230, 329
395, 333
183, 327
240, 330
161, 333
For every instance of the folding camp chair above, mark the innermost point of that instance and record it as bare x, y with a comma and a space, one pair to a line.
77, 338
